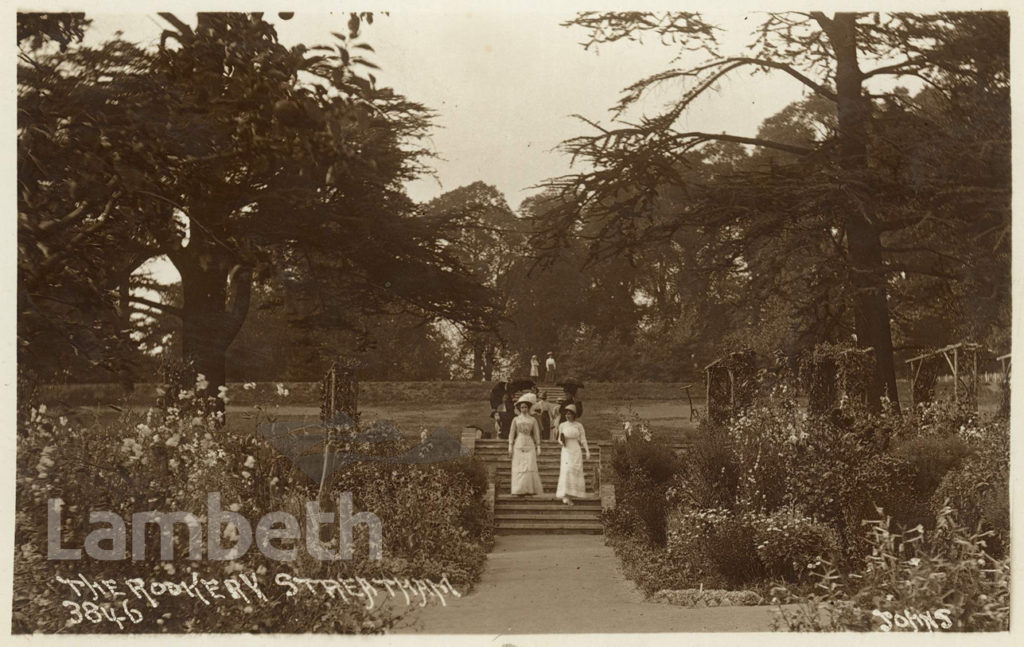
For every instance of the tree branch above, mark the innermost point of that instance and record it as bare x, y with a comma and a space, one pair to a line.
163, 307
799, 76
753, 141
895, 68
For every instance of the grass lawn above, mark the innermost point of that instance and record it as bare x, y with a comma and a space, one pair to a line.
452, 406
670, 419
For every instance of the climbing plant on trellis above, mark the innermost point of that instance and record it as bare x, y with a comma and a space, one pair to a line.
923, 390
962, 360
339, 394
834, 374
731, 384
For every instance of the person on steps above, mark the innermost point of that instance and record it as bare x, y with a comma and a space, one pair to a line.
534, 368
524, 448
549, 368
572, 437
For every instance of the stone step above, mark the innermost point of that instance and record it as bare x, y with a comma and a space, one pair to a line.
545, 446
554, 457
505, 487
499, 445
542, 519
545, 452
562, 528
541, 501
562, 511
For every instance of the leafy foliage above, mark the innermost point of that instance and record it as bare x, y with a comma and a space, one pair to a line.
782, 225
910, 573
243, 162
433, 517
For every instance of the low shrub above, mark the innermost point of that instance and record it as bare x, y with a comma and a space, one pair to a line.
790, 544
914, 580
643, 470
653, 569
709, 473
716, 542
979, 488
745, 547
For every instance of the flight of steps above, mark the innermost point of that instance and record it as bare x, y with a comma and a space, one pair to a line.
541, 514
555, 393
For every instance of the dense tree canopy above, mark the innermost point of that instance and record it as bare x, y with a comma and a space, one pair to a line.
853, 200
240, 160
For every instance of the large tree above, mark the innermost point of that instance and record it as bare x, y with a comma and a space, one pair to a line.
241, 160
831, 185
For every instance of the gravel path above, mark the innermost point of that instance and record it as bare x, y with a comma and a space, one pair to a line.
568, 584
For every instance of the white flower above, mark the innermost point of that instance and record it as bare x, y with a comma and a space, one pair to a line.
143, 429
63, 420
250, 462
173, 440
201, 383
282, 391
42, 409
185, 395
249, 386
914, 561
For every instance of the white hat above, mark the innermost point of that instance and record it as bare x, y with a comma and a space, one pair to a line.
529, 398
570, 407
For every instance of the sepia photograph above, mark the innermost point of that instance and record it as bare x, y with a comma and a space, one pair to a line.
510, 323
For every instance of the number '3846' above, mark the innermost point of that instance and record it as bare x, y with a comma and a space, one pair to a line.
94, 613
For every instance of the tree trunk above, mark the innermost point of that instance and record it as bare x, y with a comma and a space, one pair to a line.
489, 363
478, 360
864, 245
124, 372
216, 301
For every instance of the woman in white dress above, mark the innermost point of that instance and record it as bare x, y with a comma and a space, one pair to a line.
571, 436
523, 449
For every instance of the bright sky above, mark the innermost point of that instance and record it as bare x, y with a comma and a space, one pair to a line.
505, 84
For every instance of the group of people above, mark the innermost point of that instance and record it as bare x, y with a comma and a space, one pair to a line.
524, 446
550, 368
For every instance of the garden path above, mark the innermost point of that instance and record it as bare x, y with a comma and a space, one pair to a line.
567, 584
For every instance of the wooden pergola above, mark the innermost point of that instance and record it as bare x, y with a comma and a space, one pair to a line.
729, 386
962, 360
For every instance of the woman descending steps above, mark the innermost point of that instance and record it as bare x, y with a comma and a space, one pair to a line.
571, 436
524, 447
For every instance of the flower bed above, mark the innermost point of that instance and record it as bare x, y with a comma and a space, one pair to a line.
434, 523
779, 496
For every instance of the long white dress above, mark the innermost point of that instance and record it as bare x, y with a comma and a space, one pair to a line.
523, 440
570, 475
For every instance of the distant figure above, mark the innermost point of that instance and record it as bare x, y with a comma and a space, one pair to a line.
545, 415
572, 399
549, 368
534, 368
